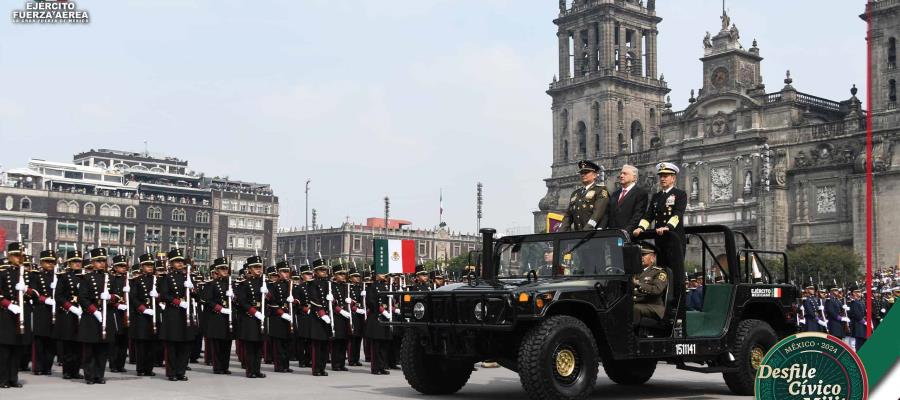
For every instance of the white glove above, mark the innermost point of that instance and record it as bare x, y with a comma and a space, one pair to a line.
348, 300
329, 297
360, 311
127, 289
50, 302
864, 322
122, 307
821, 307
76, 310
154, 294
883, 311
592, 223
229, 293
105, 296
98, 316
346, 314
162, 306
846, 307
226, 311
263, 289
20, 286
286, 317
184, 305
822, 323
386, 314
327, 319
290, 299
845, 319
14, 308
397, 311
259, 316
188, 284
148, 311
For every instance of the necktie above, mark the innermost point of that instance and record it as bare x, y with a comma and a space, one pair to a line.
622, 196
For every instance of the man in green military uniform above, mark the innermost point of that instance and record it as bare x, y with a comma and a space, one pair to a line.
587, 205
649, 286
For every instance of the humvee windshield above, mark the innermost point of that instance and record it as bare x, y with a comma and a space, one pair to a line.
577, 257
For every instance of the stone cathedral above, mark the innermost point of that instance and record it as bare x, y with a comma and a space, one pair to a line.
783, 166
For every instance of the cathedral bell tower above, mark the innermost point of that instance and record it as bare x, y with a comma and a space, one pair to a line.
608, 94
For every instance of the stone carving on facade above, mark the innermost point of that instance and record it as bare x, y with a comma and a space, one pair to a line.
748, 182
719, 125
825, 200
721, 184
780, 167
695, 188
707, 42
826, 154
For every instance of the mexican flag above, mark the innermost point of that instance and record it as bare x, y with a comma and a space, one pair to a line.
395, 256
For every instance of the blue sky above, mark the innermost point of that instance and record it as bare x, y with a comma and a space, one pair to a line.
366, 98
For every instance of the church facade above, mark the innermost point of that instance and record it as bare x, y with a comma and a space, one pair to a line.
785, 167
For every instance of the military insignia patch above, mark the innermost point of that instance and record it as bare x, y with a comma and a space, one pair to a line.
662, 276
572, 200
604, 194
590, 195
671, 200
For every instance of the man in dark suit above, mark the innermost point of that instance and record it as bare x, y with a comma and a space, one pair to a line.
627, 205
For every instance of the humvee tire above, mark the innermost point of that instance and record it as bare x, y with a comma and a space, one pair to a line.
751, 342
629, 372
558, 359
431, 374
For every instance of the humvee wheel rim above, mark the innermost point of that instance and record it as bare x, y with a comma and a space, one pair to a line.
756, 357
565, 363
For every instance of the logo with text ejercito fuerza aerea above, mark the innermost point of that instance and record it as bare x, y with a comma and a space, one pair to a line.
811, 366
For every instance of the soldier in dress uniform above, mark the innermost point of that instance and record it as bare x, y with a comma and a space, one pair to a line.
320, 325
649, 286
41, 287
664, 220
118, 350
812, 311
588, 204
220, 317
438, 278
271, 277
199, 307
834, 313
248, 305
142, 301
357, 310
159, 352
25, 359
342, 315
857, 315
279, 303
398, 283
378, 334
304, 319
68, 315
179, 324
95, 295
15, 328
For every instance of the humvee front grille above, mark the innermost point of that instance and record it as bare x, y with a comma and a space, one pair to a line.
458, 310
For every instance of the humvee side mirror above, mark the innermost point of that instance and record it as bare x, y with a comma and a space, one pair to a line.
631, 258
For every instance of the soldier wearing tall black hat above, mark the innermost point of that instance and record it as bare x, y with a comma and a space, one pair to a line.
267, 352
179, 323
219, 296
144, 317
304, 318
41, 285
118, 350
422, 283
198, 306
280, 323
358, 312
160, 270
15, 315
378, 334
340, 311
68, 315
813, 317
398, 283
97, 299
588, 204
664, 222
438, 278
321, 324
249, 308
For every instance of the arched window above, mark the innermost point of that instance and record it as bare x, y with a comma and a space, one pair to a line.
130, 212
104, 210
154, 212
892, 53
25, 204
582, 138
73, 207
179, 215
565, 155
62, 206
620, 113
637, 137
595, 114
90, 209
564, 121
115, 211
597, 144
892, 90
202, 217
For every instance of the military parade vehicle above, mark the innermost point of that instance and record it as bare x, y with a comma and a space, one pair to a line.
555, 307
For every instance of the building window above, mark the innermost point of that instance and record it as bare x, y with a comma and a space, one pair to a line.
89, 233
129, 235
90, 209
153, 234
892, 90
62, 206
318, 244
177, 236
115, 211
357, 244
66, 230
637, 137
201, 237
104, 210
423, 249
581, 135
892, 53
109, 234
202, 217
130, 212
290, 246
154, 212
25, 204
179, 215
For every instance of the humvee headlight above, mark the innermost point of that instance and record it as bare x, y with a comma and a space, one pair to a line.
479, 311
419, 310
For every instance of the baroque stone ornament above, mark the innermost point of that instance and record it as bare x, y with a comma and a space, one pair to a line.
825, 200
719, 77
719, 125
721, 184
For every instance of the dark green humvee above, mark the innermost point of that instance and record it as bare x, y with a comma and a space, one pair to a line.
554, 307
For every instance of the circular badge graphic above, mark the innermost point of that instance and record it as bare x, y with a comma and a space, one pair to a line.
811, 365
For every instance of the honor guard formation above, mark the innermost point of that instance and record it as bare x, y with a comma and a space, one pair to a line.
161, 314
